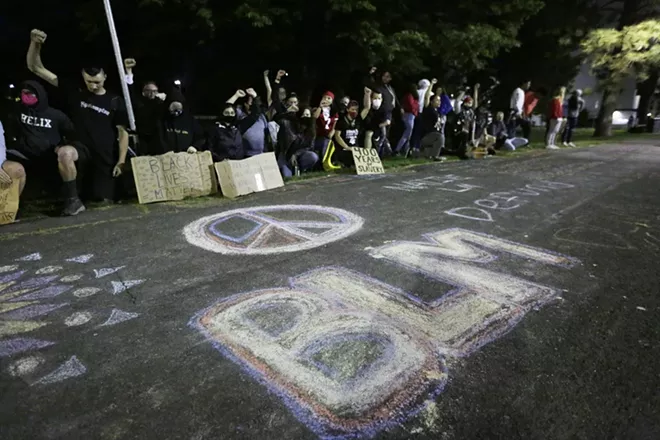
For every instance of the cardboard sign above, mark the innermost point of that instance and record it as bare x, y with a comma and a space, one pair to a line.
174, 176
8, 202
241, 177
367, 161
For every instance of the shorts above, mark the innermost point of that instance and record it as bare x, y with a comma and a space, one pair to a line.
45, 161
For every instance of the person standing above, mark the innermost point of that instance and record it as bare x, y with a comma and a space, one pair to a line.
409, 112
575, 106
384, 87
99, 118
555, 118
516, 107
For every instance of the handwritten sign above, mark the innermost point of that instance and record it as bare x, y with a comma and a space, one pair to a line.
173, 176
8, 202
241, 177
367, 161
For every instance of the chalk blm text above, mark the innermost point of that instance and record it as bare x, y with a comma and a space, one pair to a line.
295, 339
367, 161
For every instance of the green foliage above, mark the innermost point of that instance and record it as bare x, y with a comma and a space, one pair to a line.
634, 50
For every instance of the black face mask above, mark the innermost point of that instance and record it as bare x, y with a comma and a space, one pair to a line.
228, 120
305, 122
176, 113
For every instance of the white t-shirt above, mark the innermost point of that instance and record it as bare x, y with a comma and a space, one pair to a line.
517, 100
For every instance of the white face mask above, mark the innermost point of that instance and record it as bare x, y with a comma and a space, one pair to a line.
375, 104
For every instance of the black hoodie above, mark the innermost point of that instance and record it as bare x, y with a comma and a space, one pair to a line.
182, 131
39, 129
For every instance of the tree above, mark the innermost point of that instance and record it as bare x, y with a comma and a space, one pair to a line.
617, 54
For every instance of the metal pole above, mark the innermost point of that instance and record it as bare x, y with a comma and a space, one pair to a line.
120, 64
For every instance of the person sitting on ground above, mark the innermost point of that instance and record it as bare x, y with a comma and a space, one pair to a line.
100, 122
432, 126
347, 132
374, 123
555, 118
180, 130
149, 107
39, 137
575, 106
499, 131
465, 125
226, 139
325, 119
295, 142
10, 171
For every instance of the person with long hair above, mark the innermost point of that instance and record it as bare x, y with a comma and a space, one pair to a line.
409, 112
555, 118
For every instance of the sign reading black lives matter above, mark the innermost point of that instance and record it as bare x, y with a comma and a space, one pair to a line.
174, 176
367, 161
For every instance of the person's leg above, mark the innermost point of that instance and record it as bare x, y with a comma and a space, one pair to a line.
408, 122
550, 137
67, 156
16, 171
285, 170
512, 124
571, 123
526, 127
507, 145
307, 160
368, 139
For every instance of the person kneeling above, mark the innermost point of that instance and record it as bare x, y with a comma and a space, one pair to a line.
39, 141
295, 142
347, 132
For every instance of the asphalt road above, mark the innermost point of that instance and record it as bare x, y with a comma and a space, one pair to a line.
504, 298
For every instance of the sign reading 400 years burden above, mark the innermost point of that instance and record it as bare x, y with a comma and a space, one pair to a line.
8, 202
367, 161
174, 176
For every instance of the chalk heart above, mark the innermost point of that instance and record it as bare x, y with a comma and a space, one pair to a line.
592, 236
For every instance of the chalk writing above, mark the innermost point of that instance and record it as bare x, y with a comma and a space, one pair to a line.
367, 161
505, 201
71, 368
442, 183
82, 259
173, 176
272, 229
32, 257
351, 355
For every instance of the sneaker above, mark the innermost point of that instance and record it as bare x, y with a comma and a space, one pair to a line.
572, 145
565, 144
551, 147
439, 158
73, 207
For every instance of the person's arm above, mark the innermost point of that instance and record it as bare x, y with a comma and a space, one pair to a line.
235, 97
476, 96
369, 79
129, 64
199, 136
253, 115
340, 141
3, 145
366, 103
269, 89
38, 38
123, 151
427, 95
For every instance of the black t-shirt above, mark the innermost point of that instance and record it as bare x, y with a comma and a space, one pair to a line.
374, 119
350, 130
431, 120
96, 118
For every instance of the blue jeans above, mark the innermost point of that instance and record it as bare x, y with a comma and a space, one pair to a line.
409, 122
567, 136
306, 162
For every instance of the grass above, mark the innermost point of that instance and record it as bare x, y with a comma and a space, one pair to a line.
582, 138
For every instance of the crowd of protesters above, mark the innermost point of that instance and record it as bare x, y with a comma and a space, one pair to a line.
93, 135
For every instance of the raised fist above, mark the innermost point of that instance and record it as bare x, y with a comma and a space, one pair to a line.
240, 93
373, 70
281, 73
434, 81
266, 73
38, 36
477, 86
251, 92
367, 91
129, 63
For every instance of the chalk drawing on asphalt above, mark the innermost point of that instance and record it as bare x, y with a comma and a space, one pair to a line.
272, 229
33, 297
31, 257
100, 273
25, 366
82, 259
351, 355
71, 368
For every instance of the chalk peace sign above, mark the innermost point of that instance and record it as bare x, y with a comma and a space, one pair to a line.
271, 229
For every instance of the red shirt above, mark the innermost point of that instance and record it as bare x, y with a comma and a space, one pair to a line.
530, 103
555, 110
410, 104
325, 124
